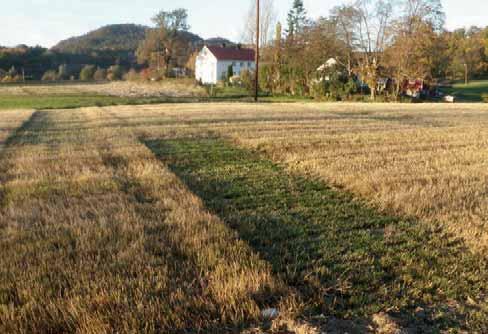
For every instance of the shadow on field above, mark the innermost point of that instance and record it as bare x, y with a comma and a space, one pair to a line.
28, 132
346, 259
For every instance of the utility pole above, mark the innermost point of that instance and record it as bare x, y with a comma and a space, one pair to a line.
466, 79
256, 83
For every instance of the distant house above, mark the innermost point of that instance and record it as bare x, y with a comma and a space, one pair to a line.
213, 62
328, 64
414, 88
331, 63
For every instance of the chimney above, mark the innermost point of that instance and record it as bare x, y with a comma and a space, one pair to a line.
239, 46
224, 45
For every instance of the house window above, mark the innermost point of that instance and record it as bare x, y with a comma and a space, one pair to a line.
242, 64
233, 63
249, 64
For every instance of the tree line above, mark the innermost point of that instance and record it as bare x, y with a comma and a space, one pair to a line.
378, 46
31, 63
373, 47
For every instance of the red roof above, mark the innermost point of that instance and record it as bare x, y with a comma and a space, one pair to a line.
232, 53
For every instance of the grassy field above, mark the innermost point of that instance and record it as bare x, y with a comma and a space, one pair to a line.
188, 218
73, 95
9, 102
473, 92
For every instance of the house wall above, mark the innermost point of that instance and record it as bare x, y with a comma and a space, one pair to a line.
209, 70
206, 67
237, 67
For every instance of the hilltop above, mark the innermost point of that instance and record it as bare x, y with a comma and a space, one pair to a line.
116, 37
119, 37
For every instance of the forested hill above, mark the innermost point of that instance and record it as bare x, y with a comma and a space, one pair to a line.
117, 37
111, 44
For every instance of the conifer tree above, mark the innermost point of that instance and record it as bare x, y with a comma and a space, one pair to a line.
297, 18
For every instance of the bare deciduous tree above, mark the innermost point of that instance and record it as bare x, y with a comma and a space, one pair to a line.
345, 17
372, 21
268, 19
426, 11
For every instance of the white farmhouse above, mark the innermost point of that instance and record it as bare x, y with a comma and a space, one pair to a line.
212, 64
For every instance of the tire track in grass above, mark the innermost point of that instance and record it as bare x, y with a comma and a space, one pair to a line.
346, 259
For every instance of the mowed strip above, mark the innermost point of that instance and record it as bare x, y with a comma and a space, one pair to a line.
344, 258
96, 236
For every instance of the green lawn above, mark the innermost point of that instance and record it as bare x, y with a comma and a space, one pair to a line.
70, 101
473, 92
78, 101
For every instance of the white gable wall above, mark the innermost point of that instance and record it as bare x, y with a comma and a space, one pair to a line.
206, 67
209, 70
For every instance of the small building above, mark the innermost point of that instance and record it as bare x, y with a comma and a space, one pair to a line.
213, 62
414, 88
328, 64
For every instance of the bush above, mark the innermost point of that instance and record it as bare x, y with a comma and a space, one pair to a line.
50, 75
8, 78
266, 79
88, 73
230, 73
100, 74
351, 87
132, 75
63, 72
248, 80
11, 76
234, 81
145, 74
213, 90
115, 73
12, 72
334, 85
485, 98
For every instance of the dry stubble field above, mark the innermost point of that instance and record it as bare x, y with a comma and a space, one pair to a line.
176, 88
197, 217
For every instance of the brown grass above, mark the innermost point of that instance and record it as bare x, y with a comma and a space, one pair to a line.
427, 161
98, 236
166, 88
10, 121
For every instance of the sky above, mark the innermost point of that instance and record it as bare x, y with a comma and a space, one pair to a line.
46, 22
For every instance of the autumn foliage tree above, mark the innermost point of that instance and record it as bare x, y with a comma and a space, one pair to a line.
416, 47
466, 51
165, 44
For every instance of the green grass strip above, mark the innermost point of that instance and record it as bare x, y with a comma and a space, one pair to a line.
345, 258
